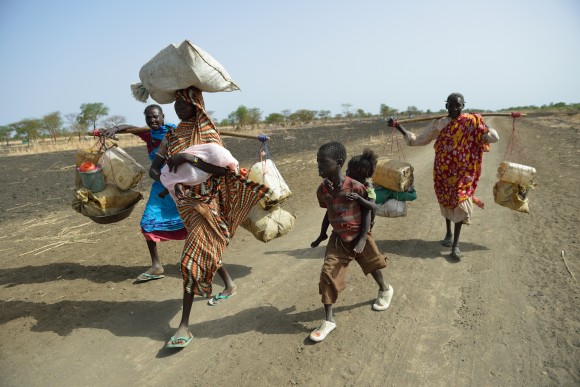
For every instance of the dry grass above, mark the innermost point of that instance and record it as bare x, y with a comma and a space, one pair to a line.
63, 144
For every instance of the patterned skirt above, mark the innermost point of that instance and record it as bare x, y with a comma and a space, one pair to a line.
212, 213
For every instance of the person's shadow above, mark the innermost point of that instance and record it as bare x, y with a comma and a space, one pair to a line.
418, 248
268, 320
69, 271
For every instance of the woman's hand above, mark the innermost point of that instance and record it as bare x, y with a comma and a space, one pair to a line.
181, 191
176, 160
109, 132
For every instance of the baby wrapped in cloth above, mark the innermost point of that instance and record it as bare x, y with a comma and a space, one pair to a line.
189, 175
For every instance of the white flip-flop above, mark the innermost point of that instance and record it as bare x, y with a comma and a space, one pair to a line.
322, 331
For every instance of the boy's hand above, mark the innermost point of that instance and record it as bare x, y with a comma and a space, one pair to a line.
352, 196
318, 240
360, 245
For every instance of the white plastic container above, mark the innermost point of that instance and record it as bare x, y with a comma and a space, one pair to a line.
265, 172
121, 169
516, 173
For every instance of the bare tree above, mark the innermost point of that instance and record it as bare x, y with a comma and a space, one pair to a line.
113, 120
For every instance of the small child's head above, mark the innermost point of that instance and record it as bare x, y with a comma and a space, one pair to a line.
330, 158
362, 167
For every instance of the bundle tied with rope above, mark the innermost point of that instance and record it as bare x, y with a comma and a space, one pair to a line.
393, 180
269, 220
515, 180
105, 177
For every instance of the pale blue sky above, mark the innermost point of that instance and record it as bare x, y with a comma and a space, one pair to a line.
302, 54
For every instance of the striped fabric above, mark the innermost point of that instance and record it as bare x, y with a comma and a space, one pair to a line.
214, 209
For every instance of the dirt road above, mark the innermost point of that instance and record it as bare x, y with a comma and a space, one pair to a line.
506, 314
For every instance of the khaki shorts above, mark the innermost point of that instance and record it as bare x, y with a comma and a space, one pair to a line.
337, 258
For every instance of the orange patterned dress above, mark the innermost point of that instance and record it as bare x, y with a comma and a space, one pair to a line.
213, 210
458, 155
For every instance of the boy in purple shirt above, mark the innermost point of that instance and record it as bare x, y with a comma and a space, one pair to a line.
349, 240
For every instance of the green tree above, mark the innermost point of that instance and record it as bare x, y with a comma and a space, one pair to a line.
303, 115
29, 129
5, 133
324, 114
254, 116
91, 112
413, 111
275, 119
360, 113
387, 111
52, 124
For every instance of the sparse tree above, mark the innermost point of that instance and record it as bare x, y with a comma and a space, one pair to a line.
113, 120
346, 109
73, 122
286, 113
324, 114
52, 124
413, 111
254, 116
91, 112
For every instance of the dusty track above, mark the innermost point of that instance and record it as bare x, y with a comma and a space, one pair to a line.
507, 314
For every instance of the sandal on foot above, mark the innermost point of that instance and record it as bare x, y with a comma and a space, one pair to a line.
456, 253
384, 299
149, 277
447, 242
322, 331
179, 342
216, 300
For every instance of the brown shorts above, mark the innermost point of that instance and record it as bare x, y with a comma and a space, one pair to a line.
338, 255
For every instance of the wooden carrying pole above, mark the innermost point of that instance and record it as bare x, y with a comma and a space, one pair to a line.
419, 119
221, 132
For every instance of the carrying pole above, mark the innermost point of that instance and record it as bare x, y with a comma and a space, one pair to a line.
260, 137
420, 119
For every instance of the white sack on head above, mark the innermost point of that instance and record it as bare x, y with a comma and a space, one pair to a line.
187, 174
178, 67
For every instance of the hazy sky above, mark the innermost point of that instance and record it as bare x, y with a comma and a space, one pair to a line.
301, 54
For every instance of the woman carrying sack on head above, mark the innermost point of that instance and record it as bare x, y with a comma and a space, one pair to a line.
211, 211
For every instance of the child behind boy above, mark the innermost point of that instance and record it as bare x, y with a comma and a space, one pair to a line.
345, 215
360, 168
